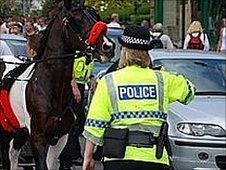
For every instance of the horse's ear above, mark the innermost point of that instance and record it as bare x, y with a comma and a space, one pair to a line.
67, 4
82, 2
78, 3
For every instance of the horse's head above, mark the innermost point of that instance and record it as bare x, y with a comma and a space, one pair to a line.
77, 27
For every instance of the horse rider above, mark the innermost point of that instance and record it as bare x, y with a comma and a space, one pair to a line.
82, 70
128, 111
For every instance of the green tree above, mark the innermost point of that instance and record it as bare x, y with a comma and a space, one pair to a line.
8, 7
132, 11
47, 6
4, 8
125, 8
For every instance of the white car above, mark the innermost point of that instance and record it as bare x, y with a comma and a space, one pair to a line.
197, 131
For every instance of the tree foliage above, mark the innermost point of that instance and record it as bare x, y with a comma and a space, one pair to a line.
128, 10
108, 4
9, 7
125, 9
12, 7
47, 6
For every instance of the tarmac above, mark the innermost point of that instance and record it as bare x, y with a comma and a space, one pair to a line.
25, 166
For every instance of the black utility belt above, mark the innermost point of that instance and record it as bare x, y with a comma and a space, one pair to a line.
141, 139
116, 140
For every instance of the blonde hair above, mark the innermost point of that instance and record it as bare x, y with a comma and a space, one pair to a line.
134, 57
195, 26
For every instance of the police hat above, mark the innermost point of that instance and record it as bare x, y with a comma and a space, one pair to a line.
136, 37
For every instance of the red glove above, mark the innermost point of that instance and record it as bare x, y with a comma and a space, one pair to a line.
98, 29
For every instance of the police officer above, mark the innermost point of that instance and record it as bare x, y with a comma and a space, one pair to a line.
131, 105
82, 70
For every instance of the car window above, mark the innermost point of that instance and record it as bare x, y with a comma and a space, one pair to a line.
207, 75
17, 47
99, 66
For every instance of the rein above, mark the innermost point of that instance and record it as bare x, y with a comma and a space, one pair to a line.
76, 54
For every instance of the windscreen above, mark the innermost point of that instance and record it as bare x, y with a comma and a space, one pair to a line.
208, 75
17, 47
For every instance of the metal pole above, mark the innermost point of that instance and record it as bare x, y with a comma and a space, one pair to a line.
23, 7
158, 11
205, 14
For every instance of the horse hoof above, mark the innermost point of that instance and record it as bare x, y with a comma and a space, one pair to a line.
78, 162
20, 137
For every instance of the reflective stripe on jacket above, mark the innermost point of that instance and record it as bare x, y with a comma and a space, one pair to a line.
136, 98
82, 69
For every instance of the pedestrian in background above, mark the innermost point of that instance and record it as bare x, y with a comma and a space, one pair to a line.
32, 45
196, 38
4, 49
30, 29
114, 21
159, 39
15, 28
41, 24
145, 24
222, 39
129, 109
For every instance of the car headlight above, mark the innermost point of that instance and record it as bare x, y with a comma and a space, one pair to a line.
198, 129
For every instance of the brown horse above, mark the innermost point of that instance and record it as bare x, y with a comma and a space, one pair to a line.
48, 92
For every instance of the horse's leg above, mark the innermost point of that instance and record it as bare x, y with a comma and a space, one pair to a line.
40, 149
13, 156
54, 153
5, 140
20, 137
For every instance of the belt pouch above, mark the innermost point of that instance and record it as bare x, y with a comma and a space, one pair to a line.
115, 141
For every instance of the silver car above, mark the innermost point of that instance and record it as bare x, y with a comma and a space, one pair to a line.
197, 131
17, 44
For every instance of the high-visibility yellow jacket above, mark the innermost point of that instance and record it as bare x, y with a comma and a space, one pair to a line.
136, 98
82, 69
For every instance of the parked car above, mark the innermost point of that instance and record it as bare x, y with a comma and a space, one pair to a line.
197, 131
17, 44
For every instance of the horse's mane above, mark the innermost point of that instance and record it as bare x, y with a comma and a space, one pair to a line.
43, 38
43, 35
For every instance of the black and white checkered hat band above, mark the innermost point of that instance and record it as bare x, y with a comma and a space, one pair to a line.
133, 40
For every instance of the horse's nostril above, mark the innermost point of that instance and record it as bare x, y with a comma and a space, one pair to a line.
106, 47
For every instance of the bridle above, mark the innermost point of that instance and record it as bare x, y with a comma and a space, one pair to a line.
69, 23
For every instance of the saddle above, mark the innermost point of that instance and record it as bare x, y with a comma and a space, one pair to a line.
8, 119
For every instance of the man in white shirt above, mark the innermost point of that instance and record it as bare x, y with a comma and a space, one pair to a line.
114, 21
4, 49
165, 39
